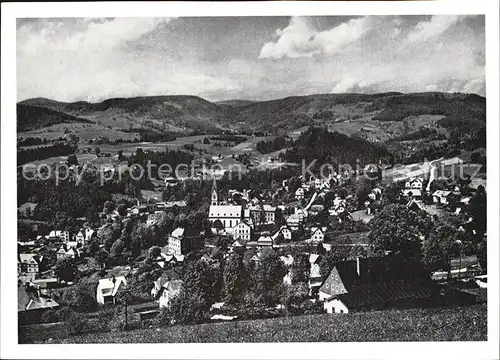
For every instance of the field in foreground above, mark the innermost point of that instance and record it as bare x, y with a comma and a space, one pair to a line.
443, 324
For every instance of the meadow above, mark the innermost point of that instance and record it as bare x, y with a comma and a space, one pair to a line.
438, 324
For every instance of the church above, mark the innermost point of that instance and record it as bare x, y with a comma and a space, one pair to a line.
228, 215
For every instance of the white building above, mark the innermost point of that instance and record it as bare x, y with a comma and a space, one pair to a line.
59, 235
242, 231
107, 289
168, 291
228, 215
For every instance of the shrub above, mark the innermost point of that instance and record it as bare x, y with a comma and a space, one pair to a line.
77, 324
50, 316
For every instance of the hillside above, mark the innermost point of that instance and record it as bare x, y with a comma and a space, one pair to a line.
375, 117
442, 324
34, 117
168, 113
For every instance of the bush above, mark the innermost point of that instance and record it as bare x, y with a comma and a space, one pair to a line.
78, 324
50, 316
164, 317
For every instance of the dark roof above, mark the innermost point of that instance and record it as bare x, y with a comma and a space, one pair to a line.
385, 293
371, 270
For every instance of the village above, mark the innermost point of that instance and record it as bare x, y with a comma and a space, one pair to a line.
327, 262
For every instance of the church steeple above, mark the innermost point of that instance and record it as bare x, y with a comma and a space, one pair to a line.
215, 195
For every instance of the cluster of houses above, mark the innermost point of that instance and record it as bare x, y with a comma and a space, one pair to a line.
414, 189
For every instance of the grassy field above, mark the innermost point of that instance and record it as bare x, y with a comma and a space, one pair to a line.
442, 324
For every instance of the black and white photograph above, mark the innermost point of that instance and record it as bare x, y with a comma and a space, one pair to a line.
230, 178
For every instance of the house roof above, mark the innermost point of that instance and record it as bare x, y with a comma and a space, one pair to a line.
385, 292
108, 287
26, 258
41, 303
443, 193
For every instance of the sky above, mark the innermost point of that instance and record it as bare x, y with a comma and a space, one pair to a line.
254, 58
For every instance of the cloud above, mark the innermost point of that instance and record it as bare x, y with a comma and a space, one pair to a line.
300, 39
97, 58
437, 25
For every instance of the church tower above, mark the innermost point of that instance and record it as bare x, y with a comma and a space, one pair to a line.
215, 195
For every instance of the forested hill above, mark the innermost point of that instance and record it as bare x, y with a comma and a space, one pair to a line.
334, 148
35, 117
347, 113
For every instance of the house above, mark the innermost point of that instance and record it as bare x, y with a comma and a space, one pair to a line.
80, 237
89, 234
30, 264
315, 278
59, 235
416, 193
376, 283
108, 288
44, 286
265, 241
317, 234
414, 183
66, 251
299, 193
242, 231
162, 280
441, 197
413, 205
182, 241
168, 291
236, 245
168, 259
264, 214
294, 221
284, 230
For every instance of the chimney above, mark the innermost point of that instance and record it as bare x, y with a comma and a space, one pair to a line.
357, 266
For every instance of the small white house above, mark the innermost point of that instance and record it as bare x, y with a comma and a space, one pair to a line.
440, 197
285, 231
335, 306
317, 234
107, 289
168, 291
299, 194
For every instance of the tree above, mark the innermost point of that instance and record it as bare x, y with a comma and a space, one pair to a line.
122, 209
439, 247
218, 225
117, 248
109, 206
294, 296
300, 269
399, 230
153, 253
193, 303
65, 269
72, 160
234, 279
102, 257
482, 248
82, 295
268, 276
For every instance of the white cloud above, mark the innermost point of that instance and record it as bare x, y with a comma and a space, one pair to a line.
437, 25
300, 39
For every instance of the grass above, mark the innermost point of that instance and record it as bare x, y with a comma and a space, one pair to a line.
441, 324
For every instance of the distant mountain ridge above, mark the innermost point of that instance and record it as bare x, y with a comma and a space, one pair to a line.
185, 113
